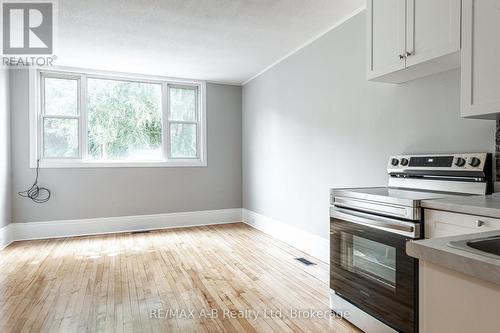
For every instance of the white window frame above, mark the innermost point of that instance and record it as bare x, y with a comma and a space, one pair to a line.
36, 119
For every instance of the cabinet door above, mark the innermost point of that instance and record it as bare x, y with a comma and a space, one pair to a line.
480, 59
386, 36
432, 29
444, 224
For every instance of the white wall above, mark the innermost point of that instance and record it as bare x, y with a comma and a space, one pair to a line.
5, 171
313, 122
113, 192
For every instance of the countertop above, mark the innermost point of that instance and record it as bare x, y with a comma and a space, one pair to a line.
438, 252
488, 205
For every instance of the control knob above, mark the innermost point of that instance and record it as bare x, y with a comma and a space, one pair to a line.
460, 162
404, 161
474, 162
395, 162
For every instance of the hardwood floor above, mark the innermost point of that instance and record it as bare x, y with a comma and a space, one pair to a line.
135, 282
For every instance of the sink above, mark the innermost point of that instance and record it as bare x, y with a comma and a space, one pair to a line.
489, 246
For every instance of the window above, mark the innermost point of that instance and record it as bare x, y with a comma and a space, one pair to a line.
97, 119
124, 120
183, 121
61, 117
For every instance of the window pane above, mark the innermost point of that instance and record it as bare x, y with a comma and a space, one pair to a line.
61, 96
60, 138
183, 140
182, 104
124, 120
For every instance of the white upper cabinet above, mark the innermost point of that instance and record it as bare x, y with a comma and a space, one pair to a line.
409, 39
433, 29
480, 59
386, 21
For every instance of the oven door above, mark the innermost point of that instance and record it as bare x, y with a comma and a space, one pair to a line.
370, 269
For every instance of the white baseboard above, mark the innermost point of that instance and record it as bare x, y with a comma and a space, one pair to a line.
307, 242
97, 226
6, 236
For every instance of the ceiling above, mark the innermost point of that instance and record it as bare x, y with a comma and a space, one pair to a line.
227, 41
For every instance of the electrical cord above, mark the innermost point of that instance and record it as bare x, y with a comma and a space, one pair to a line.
36, 193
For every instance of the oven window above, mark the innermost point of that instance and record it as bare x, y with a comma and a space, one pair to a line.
369, 259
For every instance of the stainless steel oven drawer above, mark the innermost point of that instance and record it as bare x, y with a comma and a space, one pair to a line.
404, 228
399, 211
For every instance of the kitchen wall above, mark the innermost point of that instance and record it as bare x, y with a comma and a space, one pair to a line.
313, 122
110, 192
5, 170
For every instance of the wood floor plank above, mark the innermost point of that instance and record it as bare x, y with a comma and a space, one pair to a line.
221, 278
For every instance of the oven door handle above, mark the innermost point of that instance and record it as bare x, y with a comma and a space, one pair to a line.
393, 226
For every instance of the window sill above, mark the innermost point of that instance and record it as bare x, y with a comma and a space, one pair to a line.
60, 164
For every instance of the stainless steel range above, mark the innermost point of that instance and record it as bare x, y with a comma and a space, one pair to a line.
371, 277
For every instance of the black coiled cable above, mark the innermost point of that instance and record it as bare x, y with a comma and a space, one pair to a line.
36, 193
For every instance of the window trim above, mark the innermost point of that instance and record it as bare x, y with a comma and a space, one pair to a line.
36, 119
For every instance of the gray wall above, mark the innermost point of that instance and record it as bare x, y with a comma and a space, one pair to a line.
109, 192
5, 171
313, 122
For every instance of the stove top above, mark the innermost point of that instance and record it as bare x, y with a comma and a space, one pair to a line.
413, 178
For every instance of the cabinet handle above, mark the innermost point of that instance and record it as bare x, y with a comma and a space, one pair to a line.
479, 223
408, 53
401, 56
